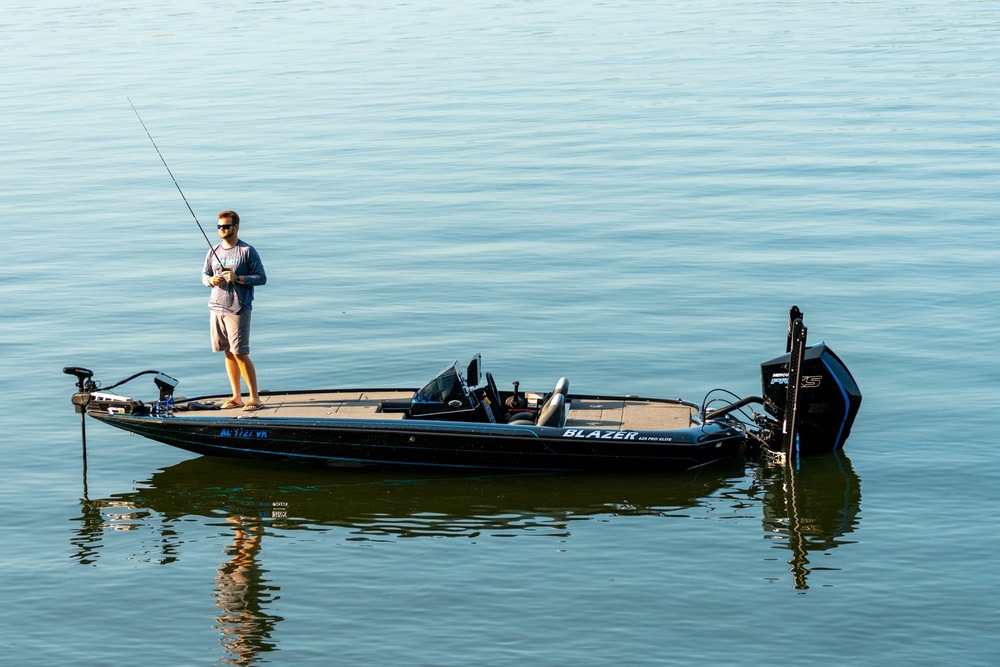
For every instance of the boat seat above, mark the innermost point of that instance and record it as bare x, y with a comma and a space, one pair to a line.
553, 413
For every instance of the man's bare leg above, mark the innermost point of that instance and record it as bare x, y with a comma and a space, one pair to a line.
233, 371
249, 373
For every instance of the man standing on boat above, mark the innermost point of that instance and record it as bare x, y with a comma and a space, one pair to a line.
232, 269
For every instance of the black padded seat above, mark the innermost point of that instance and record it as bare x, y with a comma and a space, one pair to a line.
553, 413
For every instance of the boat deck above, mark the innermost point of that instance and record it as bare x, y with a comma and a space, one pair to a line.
584, 412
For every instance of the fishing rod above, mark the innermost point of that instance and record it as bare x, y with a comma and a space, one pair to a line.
210, 246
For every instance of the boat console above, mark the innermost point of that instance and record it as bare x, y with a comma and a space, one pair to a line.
471, 396
446, 397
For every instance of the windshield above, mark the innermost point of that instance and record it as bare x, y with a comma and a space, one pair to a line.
446, 387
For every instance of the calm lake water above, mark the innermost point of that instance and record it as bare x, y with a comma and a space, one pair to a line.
630, 194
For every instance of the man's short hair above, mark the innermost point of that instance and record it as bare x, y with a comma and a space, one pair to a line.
231, 216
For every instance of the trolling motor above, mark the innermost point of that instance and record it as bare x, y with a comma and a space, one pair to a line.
84, 384
83, 376
80, 400
88, 394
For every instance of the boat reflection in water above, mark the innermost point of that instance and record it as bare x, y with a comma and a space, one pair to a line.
809, 510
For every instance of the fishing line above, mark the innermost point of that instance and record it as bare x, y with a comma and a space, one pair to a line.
211, 247
178, 185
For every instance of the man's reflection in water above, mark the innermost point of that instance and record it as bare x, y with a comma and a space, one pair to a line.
241, 593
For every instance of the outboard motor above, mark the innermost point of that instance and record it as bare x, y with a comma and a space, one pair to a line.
810, 392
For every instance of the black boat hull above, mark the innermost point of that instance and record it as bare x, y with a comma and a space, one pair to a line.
390, 443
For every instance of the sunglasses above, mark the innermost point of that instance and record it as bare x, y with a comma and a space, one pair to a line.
226, 226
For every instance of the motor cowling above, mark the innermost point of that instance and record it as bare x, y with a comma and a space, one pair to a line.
829, 398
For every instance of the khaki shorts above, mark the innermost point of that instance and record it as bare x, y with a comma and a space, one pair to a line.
230, 333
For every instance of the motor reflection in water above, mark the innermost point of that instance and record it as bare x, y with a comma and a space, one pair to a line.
806, 511
810, 509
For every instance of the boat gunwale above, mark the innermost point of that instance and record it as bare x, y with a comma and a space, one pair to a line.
395, 421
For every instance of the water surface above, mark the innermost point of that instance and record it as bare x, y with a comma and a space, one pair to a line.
630, 194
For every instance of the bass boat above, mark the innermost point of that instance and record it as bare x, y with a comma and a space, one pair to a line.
461, 419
